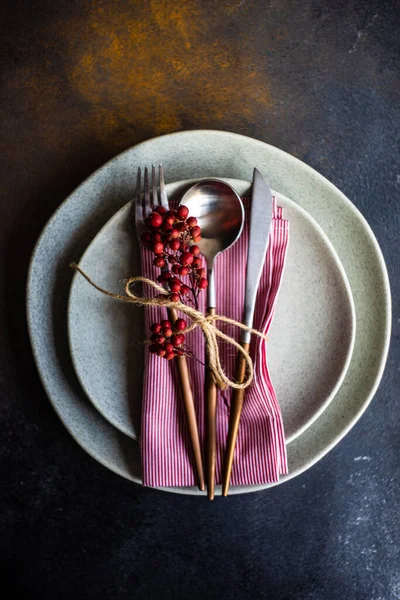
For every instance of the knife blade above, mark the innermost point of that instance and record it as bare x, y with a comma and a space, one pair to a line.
260, 223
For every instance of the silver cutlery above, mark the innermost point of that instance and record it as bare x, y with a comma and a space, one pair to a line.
220, 214
260, 223
144, 204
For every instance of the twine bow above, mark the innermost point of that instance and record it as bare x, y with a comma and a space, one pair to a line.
205, 322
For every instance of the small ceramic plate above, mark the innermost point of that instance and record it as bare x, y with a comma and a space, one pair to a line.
200, 154
311, 339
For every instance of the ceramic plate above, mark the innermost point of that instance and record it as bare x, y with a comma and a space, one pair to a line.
312, 333
196, 154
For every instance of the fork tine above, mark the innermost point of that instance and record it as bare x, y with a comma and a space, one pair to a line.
154, 187
147, 204
163, 194
138, 200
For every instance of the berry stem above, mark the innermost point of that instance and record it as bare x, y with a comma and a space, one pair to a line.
190, 353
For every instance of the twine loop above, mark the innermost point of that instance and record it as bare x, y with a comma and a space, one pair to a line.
207, 324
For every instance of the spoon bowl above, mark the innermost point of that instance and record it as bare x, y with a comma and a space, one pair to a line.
220, 214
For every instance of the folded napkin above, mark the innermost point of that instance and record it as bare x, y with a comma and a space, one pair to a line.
260, 455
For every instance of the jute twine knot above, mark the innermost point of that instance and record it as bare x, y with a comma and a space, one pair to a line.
207, 324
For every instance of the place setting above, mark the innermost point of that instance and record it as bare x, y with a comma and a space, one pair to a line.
226, 319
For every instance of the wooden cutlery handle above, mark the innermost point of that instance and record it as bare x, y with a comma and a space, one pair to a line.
234, 418
210, 395
190, 412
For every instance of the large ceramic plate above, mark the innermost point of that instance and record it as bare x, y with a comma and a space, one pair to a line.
195, 154
310, 341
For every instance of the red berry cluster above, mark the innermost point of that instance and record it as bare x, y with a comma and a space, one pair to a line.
172, 236
167, 339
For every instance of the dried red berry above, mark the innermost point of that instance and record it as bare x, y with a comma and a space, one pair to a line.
165, 276
156, 327
174, 234
158, 248
185, 290
171, 212
169, 355
176, 269
203, 283
161, 352
175, 286
177, 339
186, 259
161, 210
159, 262
165, 323
179, 324
169, 221
167, 331
155, 220
196, 231
183, 271
181, 226
201, 272
182, 212
179, 352
175, 297
169, 347
192, 221
175, 245
156, 237
197, 262
195, 250
146, 237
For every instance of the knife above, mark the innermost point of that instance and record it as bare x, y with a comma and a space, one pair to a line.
260, 223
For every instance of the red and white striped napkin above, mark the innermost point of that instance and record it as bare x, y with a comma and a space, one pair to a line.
260, 455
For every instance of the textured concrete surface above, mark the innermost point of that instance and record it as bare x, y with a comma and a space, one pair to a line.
81, 81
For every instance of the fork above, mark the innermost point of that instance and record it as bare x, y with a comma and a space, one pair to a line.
144, 205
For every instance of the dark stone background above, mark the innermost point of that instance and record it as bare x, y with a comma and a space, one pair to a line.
83, 80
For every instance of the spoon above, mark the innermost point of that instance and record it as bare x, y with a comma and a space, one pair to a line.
220, 214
